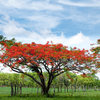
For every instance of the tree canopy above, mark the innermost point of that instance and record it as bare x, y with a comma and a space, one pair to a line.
55, 59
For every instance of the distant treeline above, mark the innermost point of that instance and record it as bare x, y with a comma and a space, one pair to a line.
65, 79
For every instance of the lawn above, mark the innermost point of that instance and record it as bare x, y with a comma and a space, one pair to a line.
51, 98
31, 94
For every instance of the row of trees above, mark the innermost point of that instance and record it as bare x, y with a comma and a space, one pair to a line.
54, 59
16, 79
6, 79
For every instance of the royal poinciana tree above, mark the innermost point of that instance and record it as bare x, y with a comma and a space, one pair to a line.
54, 59
96, 49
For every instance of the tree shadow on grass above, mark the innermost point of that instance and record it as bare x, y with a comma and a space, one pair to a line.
51, 97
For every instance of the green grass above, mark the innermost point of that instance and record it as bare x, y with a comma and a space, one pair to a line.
6, 91
50, 98
31, 94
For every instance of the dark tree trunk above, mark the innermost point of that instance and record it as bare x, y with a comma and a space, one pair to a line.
15, 90
75, 88
12, 92
45, 88
45, 91
67, 88
20, 89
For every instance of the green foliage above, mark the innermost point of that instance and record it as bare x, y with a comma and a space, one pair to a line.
8, 42
96, 50
6, 79
2, 38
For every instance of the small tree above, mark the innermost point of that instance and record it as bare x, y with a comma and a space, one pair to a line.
55, 59
96, 50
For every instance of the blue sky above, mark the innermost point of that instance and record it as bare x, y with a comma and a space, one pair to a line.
71, 22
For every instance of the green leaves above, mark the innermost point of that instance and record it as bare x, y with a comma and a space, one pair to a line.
2, 38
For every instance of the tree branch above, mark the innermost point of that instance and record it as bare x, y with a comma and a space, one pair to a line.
59, 74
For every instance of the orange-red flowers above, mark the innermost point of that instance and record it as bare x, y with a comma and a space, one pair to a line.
24, 54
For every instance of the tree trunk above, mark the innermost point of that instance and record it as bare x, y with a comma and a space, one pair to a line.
20, 89
67, 88
15, 90
12, 92
53, 90
45, 91
58, 89
75, 88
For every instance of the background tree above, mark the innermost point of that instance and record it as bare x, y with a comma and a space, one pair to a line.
54, 59
96, 50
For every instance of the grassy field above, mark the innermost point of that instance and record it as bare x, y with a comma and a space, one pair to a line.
31, 94
57, 97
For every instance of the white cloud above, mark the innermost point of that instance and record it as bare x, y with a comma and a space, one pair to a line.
31, 5
12, 3
98, 75
83, 3
14, 29
11, 28
79, 40
47, 20
88, 16
5, 70
44, 23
